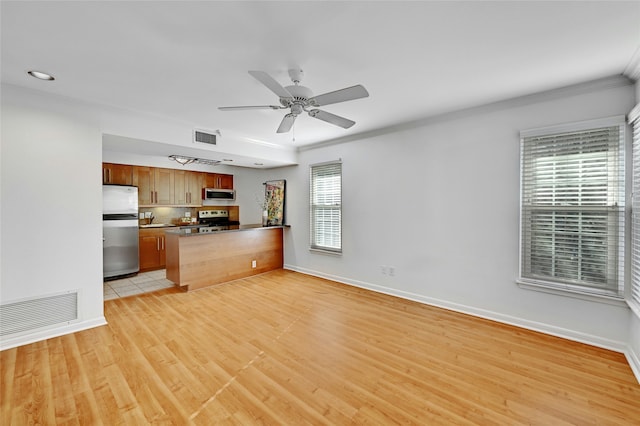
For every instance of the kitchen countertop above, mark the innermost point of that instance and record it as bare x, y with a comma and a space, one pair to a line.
193, 231
157, 225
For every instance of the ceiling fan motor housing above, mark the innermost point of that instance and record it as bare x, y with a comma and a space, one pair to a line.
298, 93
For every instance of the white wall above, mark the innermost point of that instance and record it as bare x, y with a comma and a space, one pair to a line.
439, 201
51, 221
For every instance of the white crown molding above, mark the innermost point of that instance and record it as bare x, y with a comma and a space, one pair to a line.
547, 95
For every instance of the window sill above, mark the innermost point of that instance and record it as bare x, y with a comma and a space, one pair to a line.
329, 252
599, 298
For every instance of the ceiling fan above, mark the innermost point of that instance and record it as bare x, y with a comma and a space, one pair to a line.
298, 99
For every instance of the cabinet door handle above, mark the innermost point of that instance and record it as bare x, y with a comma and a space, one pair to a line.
109, 175
158, 244
162, 243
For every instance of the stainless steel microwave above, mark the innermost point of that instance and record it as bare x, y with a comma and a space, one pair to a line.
218, 194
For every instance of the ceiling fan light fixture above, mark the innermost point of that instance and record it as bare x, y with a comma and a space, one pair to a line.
41, 75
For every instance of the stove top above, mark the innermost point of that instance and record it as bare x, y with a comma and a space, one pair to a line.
213, 217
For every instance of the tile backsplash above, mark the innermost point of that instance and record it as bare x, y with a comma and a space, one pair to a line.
173, 214
167, 214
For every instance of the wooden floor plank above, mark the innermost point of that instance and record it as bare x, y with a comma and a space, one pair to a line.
286, 348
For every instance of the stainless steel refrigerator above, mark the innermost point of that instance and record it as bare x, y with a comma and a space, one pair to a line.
119, 230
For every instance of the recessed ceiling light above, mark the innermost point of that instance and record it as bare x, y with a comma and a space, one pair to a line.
41, 75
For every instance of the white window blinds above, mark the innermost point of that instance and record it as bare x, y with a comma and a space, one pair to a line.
572, 211
326, 206
635, 212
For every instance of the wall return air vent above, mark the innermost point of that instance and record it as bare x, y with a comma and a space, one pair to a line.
32, 314
205, 136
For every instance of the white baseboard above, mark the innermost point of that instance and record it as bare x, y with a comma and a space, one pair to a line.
577, 336
8, 342
634, 362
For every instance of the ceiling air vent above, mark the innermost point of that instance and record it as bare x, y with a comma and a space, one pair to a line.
207, 137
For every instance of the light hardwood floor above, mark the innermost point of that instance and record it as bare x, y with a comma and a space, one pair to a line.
285, 348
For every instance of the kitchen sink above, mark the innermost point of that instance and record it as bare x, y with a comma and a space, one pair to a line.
157, 225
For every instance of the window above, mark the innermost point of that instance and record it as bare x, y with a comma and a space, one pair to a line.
326, 207
634, 301
572, 207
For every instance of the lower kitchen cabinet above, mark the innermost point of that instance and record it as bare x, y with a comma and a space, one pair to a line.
152, 249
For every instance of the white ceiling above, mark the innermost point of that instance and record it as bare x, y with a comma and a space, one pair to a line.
181, 60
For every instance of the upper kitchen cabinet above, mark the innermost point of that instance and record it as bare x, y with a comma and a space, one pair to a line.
155, 185
188, 188
218, 181
121, 174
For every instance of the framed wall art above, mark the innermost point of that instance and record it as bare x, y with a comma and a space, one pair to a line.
274, 195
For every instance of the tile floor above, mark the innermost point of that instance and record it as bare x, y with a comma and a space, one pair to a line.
144, 282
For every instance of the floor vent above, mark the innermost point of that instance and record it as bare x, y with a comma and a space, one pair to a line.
210, 138
32, 314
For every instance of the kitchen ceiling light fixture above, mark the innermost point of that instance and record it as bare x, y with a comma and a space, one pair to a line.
181, 159
41, 75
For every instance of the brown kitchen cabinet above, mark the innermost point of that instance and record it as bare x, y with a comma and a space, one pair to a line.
218, 181
152, 249
155, 185
121, 174
188, 188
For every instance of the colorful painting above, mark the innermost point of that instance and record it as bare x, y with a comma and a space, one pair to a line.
274, 194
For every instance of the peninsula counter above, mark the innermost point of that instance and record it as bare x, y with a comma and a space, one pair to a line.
200, 259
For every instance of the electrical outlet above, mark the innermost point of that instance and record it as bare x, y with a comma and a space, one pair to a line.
391, 270
254, 263
383, 270
187, 214
141, 215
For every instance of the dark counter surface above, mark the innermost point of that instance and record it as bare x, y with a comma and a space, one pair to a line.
193, 231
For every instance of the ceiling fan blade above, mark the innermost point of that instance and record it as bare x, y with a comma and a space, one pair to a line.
287, 123
345, 123
271, 84
342, 95
233, 108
